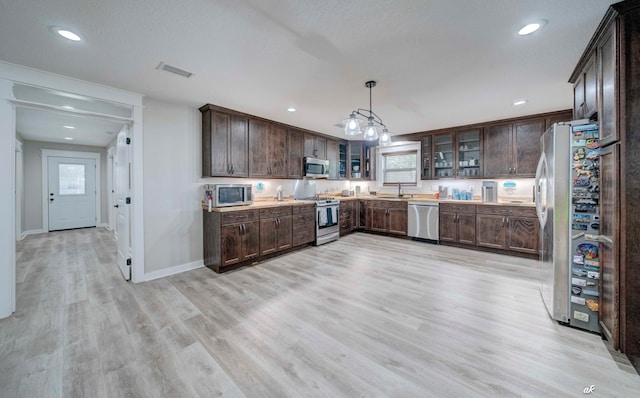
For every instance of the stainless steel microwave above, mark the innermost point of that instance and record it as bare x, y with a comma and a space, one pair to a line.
316, 168
221, 195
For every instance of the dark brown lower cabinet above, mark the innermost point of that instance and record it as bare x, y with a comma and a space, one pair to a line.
233, 238
387, 216
230, 238
240, 242
458, 223
275, 229
346, 218
508, 228
304, 224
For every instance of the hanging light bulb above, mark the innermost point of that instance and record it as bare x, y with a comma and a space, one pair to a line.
385, 137
371, 132
352, 125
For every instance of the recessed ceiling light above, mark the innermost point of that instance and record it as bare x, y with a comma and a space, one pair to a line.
66, 33
68, 138
69, 127
68, 107
519, 102
291, 109
532, 27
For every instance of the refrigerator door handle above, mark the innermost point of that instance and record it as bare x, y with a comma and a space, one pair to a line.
542, 216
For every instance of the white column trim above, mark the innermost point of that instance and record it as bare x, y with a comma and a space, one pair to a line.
46, 153
137, 210
19, 191
7, 200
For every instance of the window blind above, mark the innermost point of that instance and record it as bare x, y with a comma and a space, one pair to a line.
400, 168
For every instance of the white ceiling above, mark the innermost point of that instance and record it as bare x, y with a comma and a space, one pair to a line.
438, 63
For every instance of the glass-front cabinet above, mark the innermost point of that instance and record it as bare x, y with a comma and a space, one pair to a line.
427, 170
342, 161
355, 160
469, 147
455, 155
444, 155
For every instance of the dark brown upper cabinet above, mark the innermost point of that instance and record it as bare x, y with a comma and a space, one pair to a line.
267, 149
607, 73
333, 156
498, 146
527, 147
513, 149
315, 146
584, 91
224, 143
296, 154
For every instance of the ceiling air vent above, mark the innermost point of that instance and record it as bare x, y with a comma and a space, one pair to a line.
173, 69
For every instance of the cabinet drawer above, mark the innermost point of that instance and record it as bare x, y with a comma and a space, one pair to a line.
233, 217
272, 212
458, 208
377, 204
300, 209
396, 204
519, 211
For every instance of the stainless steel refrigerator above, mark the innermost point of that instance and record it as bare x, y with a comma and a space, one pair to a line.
567, 197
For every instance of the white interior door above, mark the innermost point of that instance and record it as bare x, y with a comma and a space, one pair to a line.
123, 188
72, 193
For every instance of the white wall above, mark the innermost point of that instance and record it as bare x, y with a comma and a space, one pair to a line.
33, 180
172, 214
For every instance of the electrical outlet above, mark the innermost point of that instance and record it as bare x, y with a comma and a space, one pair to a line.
470, 188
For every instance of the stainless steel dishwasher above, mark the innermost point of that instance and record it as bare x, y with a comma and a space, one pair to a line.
422, 220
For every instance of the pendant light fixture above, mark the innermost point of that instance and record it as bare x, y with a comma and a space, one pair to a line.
352, 123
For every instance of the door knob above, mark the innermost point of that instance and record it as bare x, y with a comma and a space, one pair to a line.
116, 206
50, 199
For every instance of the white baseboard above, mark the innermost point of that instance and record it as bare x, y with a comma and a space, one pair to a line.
31, 232
161, 273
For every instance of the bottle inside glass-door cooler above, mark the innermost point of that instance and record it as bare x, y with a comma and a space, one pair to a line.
585, 224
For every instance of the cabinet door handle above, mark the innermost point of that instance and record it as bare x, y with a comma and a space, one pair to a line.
232, 170
502, 222
507, 221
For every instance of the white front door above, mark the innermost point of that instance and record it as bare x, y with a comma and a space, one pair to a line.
123, 188
72, 193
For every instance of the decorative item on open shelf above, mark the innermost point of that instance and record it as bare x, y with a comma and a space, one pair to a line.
352, 123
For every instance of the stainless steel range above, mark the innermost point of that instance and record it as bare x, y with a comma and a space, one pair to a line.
327, 223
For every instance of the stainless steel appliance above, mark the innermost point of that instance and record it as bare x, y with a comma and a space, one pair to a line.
422, 222
316, 168
489, 191
327, 223
567, 196
221, 195
443, 192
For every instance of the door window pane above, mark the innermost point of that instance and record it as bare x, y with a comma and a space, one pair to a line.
71, 179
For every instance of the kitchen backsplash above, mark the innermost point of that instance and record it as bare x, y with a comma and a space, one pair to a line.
521, 188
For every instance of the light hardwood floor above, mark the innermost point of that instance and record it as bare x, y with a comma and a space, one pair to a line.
366, 316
